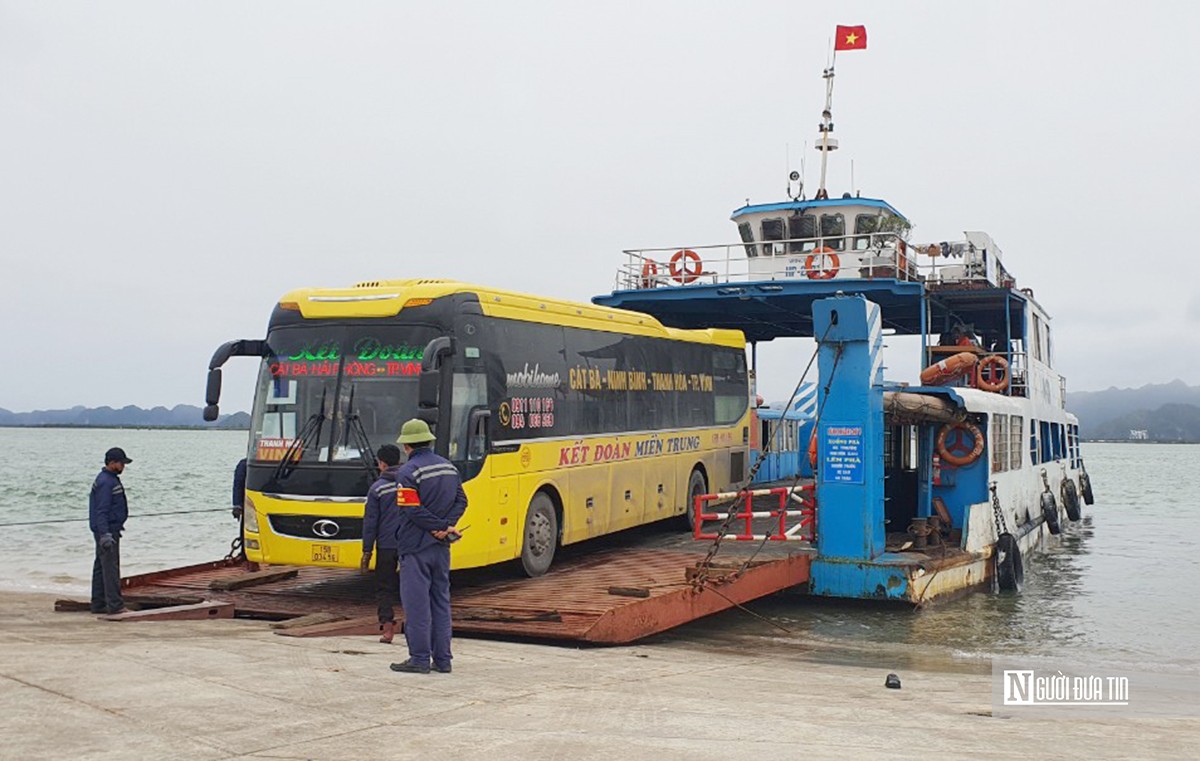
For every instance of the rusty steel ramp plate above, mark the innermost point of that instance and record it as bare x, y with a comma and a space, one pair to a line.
611, 597
616, 597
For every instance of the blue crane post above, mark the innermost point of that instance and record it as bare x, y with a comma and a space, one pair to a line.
850, 521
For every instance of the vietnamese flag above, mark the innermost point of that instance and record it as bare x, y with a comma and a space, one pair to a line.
850, 38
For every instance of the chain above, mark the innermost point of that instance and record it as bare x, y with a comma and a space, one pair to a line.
236, 550
837, 357
997, 513
701, 575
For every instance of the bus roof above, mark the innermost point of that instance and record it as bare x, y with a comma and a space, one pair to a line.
387, 298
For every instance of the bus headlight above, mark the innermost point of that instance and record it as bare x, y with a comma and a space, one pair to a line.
250, 516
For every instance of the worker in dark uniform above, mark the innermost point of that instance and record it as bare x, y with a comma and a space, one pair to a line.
107, 511
431, 500
381, 518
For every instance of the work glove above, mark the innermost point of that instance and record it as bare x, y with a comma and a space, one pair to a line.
237, 513
107, 541
365, 565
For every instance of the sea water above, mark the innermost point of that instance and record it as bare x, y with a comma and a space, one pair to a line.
47, 473
1119, 586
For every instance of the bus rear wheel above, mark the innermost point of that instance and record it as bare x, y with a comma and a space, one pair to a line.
540, 537
696, 487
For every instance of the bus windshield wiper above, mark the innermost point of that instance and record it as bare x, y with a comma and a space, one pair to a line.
314, 424
362, 442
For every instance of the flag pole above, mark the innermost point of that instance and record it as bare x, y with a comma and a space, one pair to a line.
827, 124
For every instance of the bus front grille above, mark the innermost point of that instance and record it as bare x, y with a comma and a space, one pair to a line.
317, 527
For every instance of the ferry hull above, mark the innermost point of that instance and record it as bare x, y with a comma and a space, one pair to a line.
917, 579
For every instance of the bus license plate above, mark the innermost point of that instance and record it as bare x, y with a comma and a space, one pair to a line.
324, 553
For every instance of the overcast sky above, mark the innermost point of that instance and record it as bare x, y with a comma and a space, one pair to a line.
168, 170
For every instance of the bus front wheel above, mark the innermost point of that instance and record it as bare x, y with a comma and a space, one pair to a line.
540, 537
696, 487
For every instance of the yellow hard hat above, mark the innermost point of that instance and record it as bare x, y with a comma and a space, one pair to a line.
415, 432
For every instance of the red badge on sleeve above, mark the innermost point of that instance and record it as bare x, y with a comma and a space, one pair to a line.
407, 497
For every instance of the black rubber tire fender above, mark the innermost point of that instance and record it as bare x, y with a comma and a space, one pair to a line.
1050, 512
1070, 498
539, 537
1085, 488
1010, 571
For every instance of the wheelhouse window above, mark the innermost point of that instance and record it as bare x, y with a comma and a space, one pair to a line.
833, 231
865, 225
747, 235
772, 237
802, 231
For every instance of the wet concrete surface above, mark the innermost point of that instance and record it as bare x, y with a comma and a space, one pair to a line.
75, 686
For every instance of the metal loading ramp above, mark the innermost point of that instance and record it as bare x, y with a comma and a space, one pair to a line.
611, 597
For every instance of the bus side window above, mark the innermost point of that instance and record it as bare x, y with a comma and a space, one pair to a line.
469, 394
477, 434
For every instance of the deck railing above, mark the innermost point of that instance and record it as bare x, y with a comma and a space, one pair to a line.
863, 256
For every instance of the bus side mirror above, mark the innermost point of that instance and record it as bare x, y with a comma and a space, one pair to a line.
429, 415
428, 386
212, 394
430, 383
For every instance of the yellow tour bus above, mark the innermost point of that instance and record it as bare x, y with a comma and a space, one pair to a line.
566, 420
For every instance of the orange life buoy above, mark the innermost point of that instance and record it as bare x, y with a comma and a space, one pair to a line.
812, 450
685, 272
821, 273
649, 273
953, 447
992, 373
948, 369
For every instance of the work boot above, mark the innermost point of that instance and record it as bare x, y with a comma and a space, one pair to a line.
442, 668
408, 667
389, 632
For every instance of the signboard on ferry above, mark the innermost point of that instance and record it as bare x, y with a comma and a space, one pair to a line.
843, 454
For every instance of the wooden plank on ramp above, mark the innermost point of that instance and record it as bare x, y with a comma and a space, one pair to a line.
201, 611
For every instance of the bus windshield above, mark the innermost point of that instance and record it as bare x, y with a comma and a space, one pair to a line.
333, 393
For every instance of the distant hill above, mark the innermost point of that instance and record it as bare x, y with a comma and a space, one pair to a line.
179, 416
1170, 422
1166, 412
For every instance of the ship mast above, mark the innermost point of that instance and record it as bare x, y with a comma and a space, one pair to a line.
826, 142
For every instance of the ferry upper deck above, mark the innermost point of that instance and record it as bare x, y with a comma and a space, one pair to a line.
792, 254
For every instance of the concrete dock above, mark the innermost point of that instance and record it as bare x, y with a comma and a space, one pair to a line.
72, 686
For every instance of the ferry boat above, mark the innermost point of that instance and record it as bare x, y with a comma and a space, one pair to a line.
926, 488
